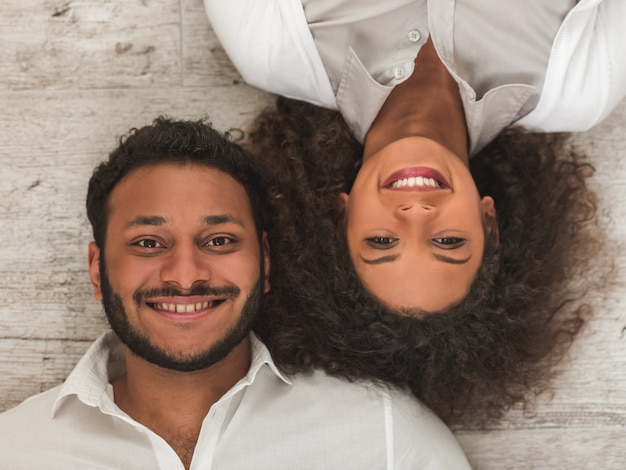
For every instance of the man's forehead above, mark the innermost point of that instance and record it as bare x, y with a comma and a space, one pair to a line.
179, 187
173, 166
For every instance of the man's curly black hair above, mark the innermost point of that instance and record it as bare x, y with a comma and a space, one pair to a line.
172, 141
499, 346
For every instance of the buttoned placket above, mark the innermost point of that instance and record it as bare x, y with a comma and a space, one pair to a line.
217, 420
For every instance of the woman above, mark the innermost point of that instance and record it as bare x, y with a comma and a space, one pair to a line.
503, 314
550, 66
495, 348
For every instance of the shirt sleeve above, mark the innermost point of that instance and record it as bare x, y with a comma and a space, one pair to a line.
271, 46
586, 75
420, 439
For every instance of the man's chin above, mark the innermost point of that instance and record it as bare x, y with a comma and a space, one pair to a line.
182, 360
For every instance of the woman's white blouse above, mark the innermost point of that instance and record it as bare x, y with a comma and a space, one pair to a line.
548, 66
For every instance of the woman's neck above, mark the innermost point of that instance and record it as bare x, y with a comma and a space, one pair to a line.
427, 104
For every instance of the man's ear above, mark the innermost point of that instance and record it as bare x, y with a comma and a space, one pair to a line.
265, 246
93, 258
490, 219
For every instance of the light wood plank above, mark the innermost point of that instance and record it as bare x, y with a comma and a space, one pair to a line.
204, 60
560, 448
36, 365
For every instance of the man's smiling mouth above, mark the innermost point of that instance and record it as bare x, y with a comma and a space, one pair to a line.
185, 308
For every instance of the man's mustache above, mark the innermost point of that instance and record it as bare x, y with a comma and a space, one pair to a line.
229, 292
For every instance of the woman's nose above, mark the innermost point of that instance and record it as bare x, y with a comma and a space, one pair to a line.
415, 208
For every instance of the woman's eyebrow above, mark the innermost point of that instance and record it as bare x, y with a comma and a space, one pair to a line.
382, 259
391, 258
447, 259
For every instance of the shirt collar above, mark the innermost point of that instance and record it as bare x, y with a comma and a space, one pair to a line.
260, 357
89, 381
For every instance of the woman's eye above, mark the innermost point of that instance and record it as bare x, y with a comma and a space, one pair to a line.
449, 243
381, 243
219, 241
149, 243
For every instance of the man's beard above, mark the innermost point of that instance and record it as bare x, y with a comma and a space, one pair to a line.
140, 344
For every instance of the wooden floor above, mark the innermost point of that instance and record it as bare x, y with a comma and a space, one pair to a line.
76, 74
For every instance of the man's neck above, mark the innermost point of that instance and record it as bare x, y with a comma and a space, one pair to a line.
174, 404
427, 104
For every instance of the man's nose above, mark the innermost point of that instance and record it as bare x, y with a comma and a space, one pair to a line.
185, 266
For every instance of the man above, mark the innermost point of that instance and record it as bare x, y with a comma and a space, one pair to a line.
180, 262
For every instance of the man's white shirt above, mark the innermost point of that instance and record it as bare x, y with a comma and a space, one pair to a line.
266, 421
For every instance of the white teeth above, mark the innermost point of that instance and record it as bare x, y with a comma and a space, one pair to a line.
415, 181
184, 308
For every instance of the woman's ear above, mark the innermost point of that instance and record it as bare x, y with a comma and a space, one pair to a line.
342, 201
93, 258
490, 219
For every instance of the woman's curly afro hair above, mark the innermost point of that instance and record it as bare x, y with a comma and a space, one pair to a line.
499, 346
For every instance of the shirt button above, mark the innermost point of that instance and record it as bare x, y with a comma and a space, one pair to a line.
414, 35
398, 72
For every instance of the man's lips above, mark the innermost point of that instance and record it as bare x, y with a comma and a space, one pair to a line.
416, 179
183, 305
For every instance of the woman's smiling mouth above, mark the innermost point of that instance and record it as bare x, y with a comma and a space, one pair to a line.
416, 179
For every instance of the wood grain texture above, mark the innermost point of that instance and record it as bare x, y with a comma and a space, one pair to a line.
76, 74
557, 448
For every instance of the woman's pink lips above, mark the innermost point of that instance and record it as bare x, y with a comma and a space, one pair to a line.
424, 172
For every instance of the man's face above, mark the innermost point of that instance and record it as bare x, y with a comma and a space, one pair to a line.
180, 275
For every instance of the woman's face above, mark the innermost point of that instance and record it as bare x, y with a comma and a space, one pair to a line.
416, 225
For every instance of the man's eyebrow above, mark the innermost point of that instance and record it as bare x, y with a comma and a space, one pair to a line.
157, 220
382, 259
447, 259
143, 220
221, 219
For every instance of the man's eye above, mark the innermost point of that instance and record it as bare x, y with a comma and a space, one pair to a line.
381, 243
149, 243
449, 243
220, 241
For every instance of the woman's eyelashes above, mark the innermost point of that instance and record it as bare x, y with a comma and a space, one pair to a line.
381, 243
448, 243
444, 243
